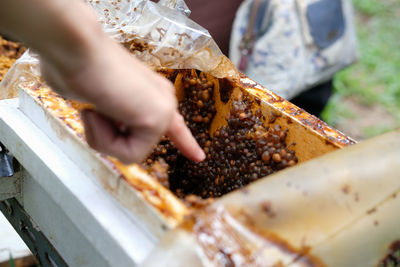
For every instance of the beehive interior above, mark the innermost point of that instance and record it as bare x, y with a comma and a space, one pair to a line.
240, 143
244, 138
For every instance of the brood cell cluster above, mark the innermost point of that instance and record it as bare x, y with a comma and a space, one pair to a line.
240, 152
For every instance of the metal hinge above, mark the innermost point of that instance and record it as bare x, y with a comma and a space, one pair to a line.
6, 162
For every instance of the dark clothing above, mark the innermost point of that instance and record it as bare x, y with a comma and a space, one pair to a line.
217, 17
314, 99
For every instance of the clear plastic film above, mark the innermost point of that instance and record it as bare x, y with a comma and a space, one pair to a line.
162, 35
25, 69
159, 34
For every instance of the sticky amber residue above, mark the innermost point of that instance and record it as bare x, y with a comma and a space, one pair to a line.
356, 197
346, 189
227, 245
393, 257
332, 136
371, 211
267, 208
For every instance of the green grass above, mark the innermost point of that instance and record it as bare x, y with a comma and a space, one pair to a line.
375, 78
11, 262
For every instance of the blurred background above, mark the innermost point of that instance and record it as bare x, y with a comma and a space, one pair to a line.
366, 100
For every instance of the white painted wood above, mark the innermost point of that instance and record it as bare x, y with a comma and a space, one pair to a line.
9, 187
86, 225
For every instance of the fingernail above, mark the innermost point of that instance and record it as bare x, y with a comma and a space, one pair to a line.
201, 155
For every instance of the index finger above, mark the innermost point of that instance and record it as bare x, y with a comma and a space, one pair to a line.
183, 139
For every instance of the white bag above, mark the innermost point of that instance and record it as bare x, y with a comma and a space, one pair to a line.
292, 45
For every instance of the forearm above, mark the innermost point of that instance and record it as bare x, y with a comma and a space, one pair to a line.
63, 32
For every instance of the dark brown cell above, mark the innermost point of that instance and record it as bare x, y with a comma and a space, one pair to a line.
276, 157
266, 156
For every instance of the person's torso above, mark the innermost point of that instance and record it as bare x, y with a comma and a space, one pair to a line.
217, 17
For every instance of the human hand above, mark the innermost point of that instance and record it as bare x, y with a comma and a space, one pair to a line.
125, 91
78, 60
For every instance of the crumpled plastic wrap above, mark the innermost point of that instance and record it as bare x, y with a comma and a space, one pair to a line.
159, 34
25, 69
162, 35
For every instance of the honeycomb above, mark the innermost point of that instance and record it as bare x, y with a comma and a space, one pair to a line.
237, 153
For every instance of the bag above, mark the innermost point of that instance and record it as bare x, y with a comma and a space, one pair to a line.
292, 45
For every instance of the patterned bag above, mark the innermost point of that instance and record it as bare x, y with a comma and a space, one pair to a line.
292, 45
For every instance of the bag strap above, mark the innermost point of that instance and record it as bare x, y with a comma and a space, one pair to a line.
246, 44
